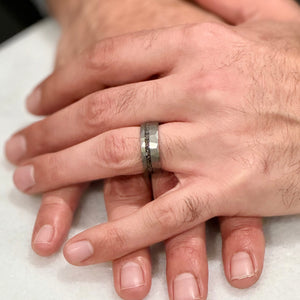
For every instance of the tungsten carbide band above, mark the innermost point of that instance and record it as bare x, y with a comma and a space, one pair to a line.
150, 147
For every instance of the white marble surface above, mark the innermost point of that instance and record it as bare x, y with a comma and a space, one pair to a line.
24, 61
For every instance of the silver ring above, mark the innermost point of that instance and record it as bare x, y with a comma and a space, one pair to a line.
150, 147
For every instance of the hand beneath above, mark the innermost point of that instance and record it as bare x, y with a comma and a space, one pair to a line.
197, 233
92, 20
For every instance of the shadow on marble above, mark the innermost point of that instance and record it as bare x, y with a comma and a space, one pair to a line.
41, 262
276, 234
5, 164
91, 210
28, 203
213, 240
69, 273
158, 258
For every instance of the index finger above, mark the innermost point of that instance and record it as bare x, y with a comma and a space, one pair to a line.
111, 62
176, 211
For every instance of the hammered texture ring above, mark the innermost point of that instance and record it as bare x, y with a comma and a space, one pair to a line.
150, 147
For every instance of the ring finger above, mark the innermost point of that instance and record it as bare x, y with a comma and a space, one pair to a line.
113, 153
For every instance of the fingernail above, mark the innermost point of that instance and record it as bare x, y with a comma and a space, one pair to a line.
45, 235
241, 266
24, 177
186, 287
79, 251
132, 276
15, 148
34, 99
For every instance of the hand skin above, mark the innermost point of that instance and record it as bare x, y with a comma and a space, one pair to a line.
231, 228
86, 22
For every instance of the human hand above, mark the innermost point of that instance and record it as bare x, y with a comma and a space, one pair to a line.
185, 253
249, 154
84, 23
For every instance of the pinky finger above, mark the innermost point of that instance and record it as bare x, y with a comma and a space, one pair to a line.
243, 249
54, 219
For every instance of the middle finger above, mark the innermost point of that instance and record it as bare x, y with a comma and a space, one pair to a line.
124, 106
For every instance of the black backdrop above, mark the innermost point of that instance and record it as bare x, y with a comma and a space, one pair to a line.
16, 15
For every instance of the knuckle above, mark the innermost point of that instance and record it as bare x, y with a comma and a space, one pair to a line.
245, 235
216, 31
96, 110
114, 150
212, 86
101, 55
57, 205
113, 239
214, 34
188, 248
241, 227
148, 38
164, 217
208, 30
127, 189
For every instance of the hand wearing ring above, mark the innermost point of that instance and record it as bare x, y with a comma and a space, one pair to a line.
215, 137
185, 253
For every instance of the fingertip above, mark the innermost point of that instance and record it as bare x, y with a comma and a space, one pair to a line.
43, 242
24, 178
132, 275
187, 266
66, 253
54, 219
33, 101
244, 271
44, 249
15, 148
76, 253
243, 250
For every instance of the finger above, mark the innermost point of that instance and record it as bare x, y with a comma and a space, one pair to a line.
119, 107
132, 272
241, 11
174, 212
187, 268
54, 219
114, 61
243, 250
113, 153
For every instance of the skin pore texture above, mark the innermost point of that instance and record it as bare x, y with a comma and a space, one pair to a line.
228, 148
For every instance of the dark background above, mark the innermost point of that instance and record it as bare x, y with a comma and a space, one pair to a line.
16, 15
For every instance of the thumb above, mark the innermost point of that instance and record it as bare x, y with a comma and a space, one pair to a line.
241, 11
